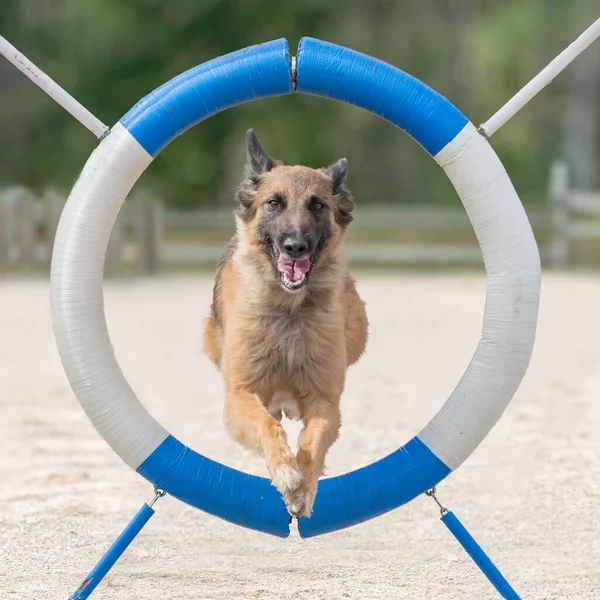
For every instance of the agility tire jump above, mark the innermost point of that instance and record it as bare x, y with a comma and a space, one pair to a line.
509, 251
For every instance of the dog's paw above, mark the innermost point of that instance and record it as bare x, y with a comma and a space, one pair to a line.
287, 479
301, 502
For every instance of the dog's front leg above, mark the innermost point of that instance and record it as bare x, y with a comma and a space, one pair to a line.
321, 428
250, 424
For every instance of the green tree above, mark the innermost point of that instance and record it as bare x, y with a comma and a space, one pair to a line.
110, 53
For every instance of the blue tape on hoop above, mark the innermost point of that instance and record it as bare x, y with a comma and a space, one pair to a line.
254, 72
243, 499
331, 71
373, 490
323, 69
253, 502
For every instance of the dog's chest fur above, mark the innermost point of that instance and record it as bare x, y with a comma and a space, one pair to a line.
293, 347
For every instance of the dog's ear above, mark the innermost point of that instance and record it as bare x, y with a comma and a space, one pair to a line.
244, 196
338, 173
258, 161
344, 202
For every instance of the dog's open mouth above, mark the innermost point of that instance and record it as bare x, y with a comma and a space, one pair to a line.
293, 272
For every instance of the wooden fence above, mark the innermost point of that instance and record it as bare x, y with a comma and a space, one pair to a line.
28, 226
147, 238
574, 221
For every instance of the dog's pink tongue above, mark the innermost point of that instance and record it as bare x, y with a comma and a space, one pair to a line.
301, 267
293, 269
286, 266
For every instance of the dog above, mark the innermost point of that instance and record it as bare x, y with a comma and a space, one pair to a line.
286, 319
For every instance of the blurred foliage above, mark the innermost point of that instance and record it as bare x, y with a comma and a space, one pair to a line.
110, 53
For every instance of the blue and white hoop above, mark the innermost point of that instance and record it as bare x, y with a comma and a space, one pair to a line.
509, 250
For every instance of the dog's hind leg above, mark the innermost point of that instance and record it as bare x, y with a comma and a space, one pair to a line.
250, 423
321, 427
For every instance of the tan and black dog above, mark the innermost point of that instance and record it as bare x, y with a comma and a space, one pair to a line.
286, 320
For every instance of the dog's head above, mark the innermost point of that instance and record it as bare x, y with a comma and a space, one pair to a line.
292, 217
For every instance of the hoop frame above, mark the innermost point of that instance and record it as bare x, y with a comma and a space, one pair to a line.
509, 250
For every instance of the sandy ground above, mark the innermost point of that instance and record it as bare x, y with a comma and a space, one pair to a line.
530, 494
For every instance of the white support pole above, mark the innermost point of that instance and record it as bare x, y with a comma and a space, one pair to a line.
84, 116
541, 80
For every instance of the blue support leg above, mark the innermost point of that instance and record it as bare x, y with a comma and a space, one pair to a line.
481, 559
475, 551
113, 554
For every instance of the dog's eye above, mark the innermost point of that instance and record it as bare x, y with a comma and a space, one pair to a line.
315, 203
274, 204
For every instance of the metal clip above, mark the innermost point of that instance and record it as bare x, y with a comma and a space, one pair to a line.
482, 132
157, 495
431, 494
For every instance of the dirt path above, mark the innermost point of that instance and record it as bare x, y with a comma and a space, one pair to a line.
530, 494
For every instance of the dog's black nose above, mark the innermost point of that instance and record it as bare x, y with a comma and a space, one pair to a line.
295, 247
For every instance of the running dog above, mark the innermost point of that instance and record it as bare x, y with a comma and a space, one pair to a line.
286, 319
